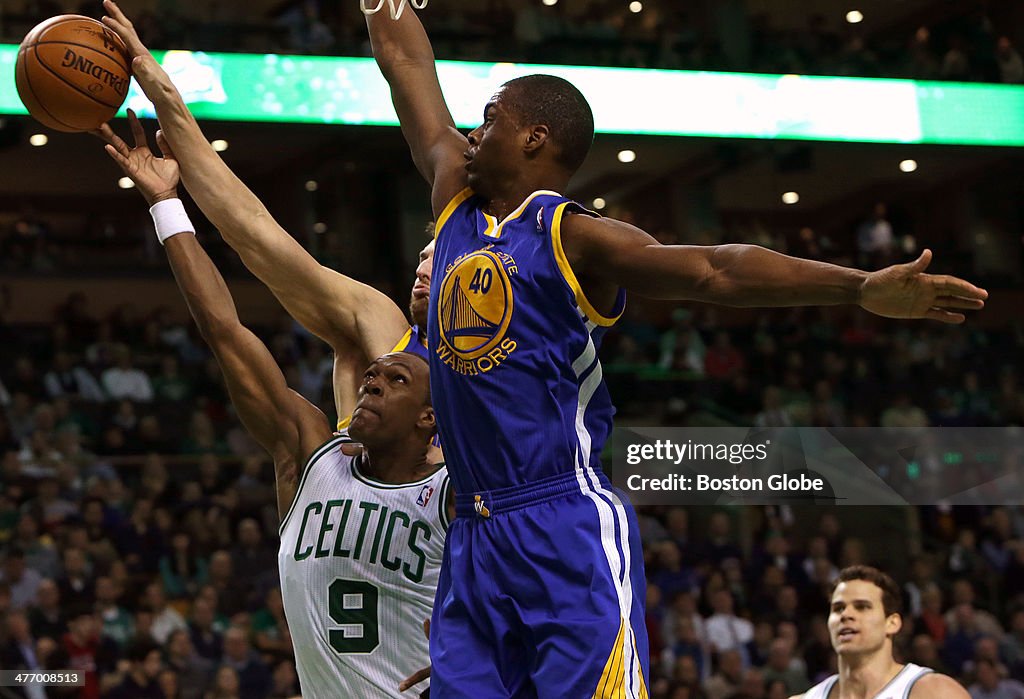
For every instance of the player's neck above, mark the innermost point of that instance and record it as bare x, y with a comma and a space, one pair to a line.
865, 676
507, 197
396, 464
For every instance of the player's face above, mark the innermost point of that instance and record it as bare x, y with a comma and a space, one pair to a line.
493, 154
392, 399
420, 298
857, 623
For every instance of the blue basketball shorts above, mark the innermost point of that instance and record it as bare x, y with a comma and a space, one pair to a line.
541, 594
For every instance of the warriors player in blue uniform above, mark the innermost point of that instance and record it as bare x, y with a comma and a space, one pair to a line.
542, 587
864, 618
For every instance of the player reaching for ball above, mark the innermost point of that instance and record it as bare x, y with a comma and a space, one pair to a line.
864, 618
356, 320
361, 535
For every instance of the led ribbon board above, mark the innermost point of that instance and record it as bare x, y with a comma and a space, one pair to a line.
351, 91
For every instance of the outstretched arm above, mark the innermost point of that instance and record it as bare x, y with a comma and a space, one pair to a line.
406, 59
609, 254
334, 307
283, 422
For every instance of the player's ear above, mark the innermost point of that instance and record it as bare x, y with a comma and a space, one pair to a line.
536, 136
427, 420
893, 624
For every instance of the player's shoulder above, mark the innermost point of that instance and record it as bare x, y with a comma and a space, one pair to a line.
935, 685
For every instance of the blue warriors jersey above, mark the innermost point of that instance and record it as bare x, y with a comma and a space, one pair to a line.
515, 379
414, 342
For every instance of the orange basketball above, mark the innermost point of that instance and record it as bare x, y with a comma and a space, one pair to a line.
72, 73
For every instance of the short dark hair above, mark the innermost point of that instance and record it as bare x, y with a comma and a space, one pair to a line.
559, 105
892, 596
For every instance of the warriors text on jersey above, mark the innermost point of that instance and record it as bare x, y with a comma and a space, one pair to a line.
359, 563
898, 687
513, 347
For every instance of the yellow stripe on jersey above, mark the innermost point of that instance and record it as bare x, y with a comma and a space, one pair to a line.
342, 424
403, 343
450, 209
570, 276
494, 228
612, 684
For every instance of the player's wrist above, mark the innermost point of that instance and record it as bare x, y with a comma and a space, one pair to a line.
170, 219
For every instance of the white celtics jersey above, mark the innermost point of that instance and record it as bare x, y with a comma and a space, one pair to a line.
359, 563
898, 687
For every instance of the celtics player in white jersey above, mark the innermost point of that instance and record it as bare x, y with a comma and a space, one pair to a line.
864, 619
363, 529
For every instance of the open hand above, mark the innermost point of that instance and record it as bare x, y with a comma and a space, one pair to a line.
905, 291
156, 177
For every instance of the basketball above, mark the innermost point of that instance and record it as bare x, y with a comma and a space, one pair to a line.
72, 73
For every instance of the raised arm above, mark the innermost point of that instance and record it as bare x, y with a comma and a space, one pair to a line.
406, 59
283, 422
606, 254
334, 307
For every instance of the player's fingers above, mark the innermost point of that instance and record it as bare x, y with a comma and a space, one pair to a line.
107, 134
921, 263
426, 628
164, 146
118, 158
952, 286
115, 12
138, 132
959, 302
414, 679
945, 316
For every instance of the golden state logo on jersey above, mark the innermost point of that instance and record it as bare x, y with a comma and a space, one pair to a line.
475, 310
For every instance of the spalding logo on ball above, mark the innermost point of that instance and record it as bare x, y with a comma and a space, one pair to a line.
72, 73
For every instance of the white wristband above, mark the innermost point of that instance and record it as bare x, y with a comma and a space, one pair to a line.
170, 219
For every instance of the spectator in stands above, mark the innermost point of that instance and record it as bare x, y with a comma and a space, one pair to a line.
253, 674
75, 583
140, 680
227, 685
116, 621
182, 569
22, 582
68, 379
251, 559
123, 380
166, 619
206, 639
725, 630
726, 680
1011, 66
194, 672
170, 385
989, 684
270, 627
783, 666
285, 681
19, 649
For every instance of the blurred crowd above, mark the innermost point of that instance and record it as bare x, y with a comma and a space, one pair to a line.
138, 520
965, 44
